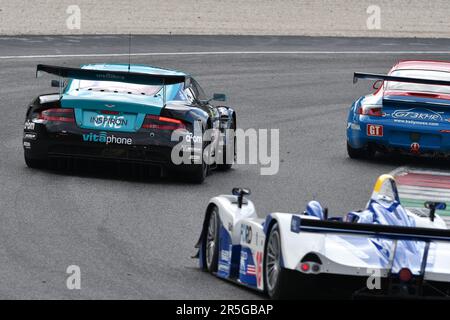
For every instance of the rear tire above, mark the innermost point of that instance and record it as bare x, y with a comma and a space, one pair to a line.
198, 175
360, 153
200, 171
277, 280
34, 163
212, 241
227, 166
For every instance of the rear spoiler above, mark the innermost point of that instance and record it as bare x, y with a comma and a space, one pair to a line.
104, 75
373, 76
372, 230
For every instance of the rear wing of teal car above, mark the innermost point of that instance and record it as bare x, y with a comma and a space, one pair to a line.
105, 75
118, 76
374, 76
370, 230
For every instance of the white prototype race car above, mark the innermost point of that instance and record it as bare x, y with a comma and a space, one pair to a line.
383, 251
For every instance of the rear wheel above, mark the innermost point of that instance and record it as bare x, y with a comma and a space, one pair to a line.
200, 171
198, 175
360, 153
276, 278
34, 163
226, 165
212, 241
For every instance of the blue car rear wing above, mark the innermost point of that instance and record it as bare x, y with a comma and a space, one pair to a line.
105, 75
373, 76
371, 230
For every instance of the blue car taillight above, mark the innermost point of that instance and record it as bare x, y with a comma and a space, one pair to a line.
373, 111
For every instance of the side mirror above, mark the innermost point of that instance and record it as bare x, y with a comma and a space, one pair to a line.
433, 206
219, 97
240, 193
377, 84
57, 83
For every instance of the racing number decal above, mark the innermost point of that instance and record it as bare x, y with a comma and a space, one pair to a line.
374, 130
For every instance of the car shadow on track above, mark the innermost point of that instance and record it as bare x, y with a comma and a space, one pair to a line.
110, 170
258, 294
425, 162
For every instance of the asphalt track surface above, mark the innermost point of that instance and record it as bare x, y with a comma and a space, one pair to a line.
133, 238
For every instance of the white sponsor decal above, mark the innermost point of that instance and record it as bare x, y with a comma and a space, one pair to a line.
412, 122
31, 136
116, 122
29, 125
191, 138
103, 137
225, 255
353, 126
418, 114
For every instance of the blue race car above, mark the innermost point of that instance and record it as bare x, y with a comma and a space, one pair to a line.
129, 113
409, 112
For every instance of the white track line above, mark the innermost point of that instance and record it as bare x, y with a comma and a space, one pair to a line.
204, 53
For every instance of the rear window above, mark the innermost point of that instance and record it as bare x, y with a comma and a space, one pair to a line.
421, 74
114, 86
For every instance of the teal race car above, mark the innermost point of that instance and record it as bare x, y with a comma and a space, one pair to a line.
130, 113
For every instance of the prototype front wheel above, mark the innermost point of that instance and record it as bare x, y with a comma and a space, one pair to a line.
212, 241
276, 278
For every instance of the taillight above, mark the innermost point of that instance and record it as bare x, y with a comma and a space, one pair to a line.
305, 267
374, 111
405, 275
162, 123
57, 115
309, 267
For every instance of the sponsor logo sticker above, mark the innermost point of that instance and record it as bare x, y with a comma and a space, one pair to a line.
225, 255
103, 137
30, 136
418, 114
29, 125
242, 263
190, 137
415, 147
374, 130
246, 234
108, 121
